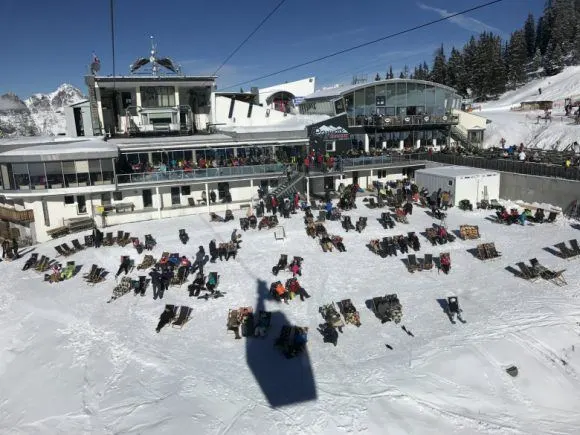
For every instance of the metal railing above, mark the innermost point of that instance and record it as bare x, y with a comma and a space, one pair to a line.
402, 120
201, 174
508, 165
350, 163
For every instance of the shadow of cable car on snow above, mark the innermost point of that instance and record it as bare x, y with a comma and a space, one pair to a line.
284, 381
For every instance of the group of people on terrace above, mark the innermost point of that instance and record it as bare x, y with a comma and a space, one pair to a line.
201, 163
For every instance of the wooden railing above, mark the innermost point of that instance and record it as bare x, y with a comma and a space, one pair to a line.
16, 216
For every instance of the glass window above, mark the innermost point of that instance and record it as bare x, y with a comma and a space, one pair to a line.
70, 174
37, 175
339, 106
95, 171
82, 170
157, 96
81, 204
359, 102
430, 99
223, 190
175, 196
54, 175
69, 199
21, 178
390, 91
118, 196
400, 95
349, 103
370, 103
185, 190
380, 95
107, 169
439, 101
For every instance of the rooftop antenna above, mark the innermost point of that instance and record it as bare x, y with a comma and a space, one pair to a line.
153, 58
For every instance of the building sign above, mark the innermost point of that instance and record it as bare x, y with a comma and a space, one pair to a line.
298, 100
330, 129
331, 132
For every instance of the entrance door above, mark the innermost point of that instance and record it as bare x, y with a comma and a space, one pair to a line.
328, 183
78, 121
355, 177
147, 198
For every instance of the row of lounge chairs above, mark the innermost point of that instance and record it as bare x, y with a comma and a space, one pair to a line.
536, 271
566, 252
389, 245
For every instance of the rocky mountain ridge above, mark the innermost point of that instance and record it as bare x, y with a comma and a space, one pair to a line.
38, 115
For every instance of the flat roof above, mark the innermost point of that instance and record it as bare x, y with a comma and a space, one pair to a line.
337, 91
50, 149
455, 171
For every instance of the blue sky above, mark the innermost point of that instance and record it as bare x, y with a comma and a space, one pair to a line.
46, 43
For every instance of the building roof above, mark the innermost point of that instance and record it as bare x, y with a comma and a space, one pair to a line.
341, 90
49, 149
455, 171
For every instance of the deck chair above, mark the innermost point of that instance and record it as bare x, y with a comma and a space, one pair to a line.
191, 202
428, 262
372, 203
552, 217
481, 252
43, 259
234, 322
119, 237
321, 216
60, 251
529, 274
91, 275
555, 277
565, 252
575, 247
89, 241
412, 263
67, 249
76, 244
68, 271
183, 317
124, 240
491, 251
108, 240
97, 277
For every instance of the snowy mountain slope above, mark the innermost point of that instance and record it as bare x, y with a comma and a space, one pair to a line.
41, 114
48, 109
523, 127
71, 363
554, 88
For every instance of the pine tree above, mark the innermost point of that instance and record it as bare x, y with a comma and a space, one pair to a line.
530, 35
554, 59
516, 59
377, 78
537, 61
455, 73
438, 73
390, 74
544, 31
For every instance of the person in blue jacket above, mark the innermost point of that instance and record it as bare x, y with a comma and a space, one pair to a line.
328, 209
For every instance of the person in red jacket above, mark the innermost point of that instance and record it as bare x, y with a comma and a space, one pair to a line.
445, 263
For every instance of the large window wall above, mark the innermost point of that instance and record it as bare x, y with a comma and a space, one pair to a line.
57, 175
401, 98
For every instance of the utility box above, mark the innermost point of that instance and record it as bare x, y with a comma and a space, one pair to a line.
461, 182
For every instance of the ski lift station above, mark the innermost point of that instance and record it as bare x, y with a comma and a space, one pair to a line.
461, 182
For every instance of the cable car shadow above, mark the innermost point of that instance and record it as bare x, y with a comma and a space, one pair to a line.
283, 381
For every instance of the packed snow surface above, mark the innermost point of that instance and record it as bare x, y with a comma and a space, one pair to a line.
524, 127
71, 363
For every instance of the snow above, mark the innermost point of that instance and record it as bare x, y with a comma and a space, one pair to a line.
523, 127
71, 363
290, 123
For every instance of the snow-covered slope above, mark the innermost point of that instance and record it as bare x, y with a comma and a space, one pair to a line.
71, 363
48, 109
41, 114
523, 127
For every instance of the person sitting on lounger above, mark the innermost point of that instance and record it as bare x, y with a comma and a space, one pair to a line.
280, 292
445, 264
442, 233
164, 319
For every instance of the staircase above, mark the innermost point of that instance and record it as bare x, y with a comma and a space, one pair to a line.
96, 123
288, 187
460, 136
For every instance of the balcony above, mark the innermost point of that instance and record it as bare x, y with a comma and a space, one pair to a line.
201, 174
402, 121
16, 216
375, 162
